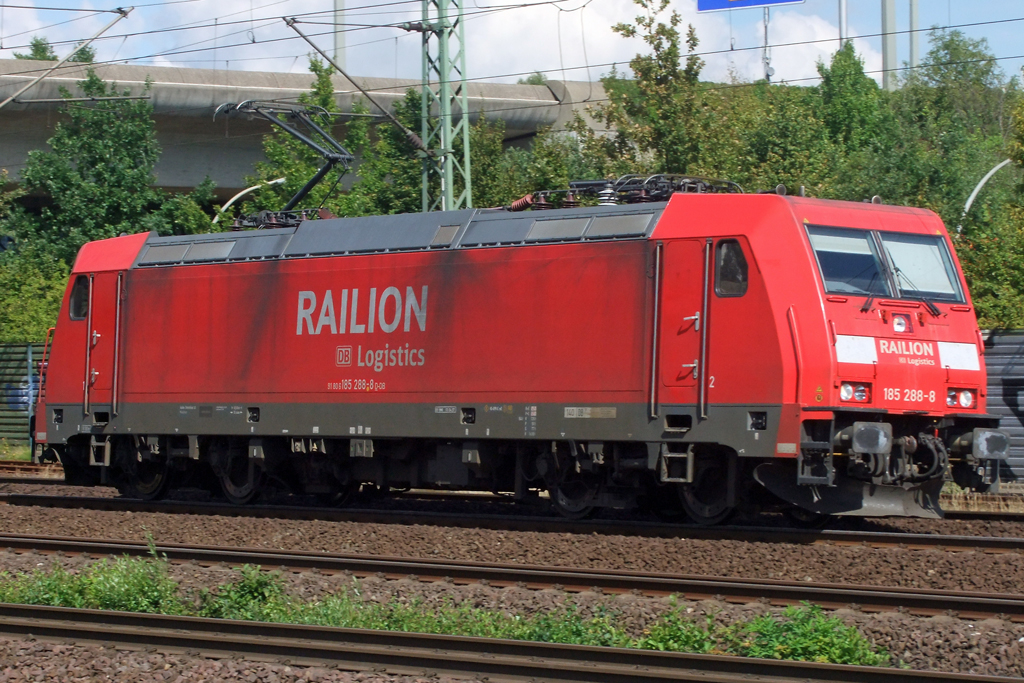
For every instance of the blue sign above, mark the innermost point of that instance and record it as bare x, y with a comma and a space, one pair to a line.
712, 5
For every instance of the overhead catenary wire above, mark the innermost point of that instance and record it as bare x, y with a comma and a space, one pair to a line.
122, 13
176, 51
190, 26
514, 74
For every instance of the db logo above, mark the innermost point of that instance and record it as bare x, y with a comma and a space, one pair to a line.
343, 356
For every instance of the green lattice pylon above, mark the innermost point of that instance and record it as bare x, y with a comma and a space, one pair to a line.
445, 109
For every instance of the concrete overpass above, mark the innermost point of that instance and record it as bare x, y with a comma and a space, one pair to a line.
196, 146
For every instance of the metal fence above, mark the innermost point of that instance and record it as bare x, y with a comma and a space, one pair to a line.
1004, 358
19, 385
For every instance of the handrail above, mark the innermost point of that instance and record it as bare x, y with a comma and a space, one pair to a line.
117, 345
656, 331
41, 394
88, 350
702, 394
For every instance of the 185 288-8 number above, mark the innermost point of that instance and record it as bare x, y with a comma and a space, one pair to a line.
908, 395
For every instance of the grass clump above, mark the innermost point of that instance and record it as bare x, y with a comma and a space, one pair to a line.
803, 633
127, 584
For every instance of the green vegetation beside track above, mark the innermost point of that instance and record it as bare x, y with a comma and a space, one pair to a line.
805, 633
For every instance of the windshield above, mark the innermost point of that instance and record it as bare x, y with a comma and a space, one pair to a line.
921, 266
848, 262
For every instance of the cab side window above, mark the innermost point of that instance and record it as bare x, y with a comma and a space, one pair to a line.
730, 269
79, 306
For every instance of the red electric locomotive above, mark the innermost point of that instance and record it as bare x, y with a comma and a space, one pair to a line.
714, 351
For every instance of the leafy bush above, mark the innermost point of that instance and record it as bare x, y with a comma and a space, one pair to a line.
255, 596
804, 633
675, 633
128, 584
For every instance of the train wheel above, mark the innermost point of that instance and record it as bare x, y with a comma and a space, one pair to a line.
241, 477
706, 499
574, 497
141, 477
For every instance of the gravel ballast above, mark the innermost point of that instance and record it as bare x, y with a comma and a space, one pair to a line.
935, 569
31, 660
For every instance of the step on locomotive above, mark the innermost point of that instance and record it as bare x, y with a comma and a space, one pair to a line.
711, 352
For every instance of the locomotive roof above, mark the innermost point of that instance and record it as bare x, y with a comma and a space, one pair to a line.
469, 228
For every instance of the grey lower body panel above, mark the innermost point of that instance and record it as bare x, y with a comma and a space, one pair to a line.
728, 425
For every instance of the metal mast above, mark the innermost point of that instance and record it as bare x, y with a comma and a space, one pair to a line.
889, 44
445, 107
339, 33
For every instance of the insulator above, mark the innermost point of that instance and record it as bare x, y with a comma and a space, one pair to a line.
607, 196
521, 204
542, 203
570, 201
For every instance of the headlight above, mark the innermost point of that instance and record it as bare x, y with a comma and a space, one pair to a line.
900, 323
855, 392
966, 399
951, 398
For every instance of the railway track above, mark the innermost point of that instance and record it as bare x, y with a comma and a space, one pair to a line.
968, 605
766, 534
423, 654
20, 470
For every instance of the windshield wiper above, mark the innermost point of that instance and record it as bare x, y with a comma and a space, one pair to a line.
871, 294
932, 308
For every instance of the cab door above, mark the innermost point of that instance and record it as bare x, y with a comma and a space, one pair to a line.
102, 341
683, 319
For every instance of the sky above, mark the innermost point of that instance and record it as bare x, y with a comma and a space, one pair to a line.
505, 39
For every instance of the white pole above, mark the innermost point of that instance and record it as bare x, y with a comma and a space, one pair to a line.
977, 189
339, 32
276, 181
768, 71
844, 29
889, 44
915, 37
122, 13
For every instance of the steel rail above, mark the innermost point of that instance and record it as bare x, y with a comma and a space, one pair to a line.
425, 654
750, 534
32, 479
968, 605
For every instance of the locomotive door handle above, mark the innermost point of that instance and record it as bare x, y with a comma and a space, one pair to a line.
696, 324
93, 375
95, 337
693, 365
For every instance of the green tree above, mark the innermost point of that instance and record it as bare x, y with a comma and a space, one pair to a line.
98, 175
655, 115
850, 103
31, 289
536, 78
40, 49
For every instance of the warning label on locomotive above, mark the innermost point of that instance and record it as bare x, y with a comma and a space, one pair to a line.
588, 412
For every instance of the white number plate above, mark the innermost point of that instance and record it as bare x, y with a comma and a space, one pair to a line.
908, 395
